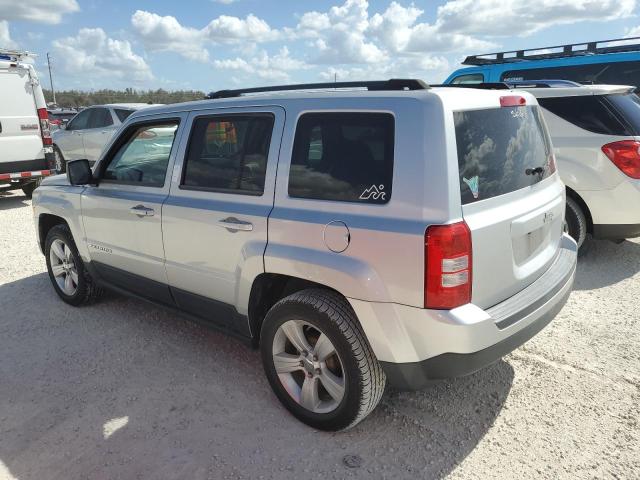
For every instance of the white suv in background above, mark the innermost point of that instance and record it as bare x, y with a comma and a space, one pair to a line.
595, 130
86, 134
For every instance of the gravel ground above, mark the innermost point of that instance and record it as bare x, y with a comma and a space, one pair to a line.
126, 390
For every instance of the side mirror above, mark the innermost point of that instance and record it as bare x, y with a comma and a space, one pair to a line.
79, 172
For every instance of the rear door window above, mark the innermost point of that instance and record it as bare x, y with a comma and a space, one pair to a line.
343, 156
497, 147
592, 113
229, 154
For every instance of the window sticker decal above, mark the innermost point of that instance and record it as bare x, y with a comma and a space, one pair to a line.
375, 192
473, 185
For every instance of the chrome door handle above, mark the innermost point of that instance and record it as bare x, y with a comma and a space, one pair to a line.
233, 224
142, 211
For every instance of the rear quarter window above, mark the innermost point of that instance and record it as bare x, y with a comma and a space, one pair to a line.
589, 112
344, 157
495, 149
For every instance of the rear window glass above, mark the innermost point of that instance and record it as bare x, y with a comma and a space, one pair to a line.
628, 106
343, 156
591, 113
613, 73
122, 114
496, 149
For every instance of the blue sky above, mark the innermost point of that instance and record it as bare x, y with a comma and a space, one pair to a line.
213, 44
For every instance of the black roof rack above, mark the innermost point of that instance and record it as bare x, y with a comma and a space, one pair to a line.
377, 85
508, 85
541, 83
586, 48
480, 86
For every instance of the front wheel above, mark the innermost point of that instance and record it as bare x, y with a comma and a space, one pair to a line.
318, 361
69, 276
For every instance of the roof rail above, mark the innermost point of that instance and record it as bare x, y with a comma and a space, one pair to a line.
480, 86
586, 48
376, 85
541, 83
15, 55
508, 85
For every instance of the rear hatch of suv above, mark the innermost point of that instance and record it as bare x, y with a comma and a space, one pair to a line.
512, 200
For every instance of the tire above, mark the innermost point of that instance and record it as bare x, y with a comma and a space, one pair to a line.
60, 163
353, 365
28, 188
577, 225
63, 262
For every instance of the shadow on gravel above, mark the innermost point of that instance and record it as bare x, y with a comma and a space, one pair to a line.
123, 389
12, 199
607, 263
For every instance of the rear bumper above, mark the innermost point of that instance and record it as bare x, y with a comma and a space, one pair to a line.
417, 346
616, 232
24, 166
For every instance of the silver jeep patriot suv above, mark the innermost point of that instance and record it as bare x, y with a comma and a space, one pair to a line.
358, 233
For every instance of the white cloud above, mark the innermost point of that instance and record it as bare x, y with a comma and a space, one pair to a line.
92, 54
42, 11
5, 37
225, 2
515, 17
166, 34
227, 29
274, 67
160, 33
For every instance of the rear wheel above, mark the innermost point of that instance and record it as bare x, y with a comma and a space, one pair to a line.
28, 188
319, 362
577, 225
71, 280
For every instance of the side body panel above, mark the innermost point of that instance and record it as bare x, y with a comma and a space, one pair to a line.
117, 236
384, 260
203, 258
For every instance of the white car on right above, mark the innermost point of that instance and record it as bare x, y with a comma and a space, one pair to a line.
595, 130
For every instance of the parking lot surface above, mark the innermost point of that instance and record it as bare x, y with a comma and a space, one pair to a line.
124, 389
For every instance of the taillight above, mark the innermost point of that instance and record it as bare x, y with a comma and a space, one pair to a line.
448, 266
625, 155
513, 101
45, 128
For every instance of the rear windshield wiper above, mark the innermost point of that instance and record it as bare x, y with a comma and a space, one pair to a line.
534, 171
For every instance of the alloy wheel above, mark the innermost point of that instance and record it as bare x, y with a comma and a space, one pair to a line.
63, 267
308, 366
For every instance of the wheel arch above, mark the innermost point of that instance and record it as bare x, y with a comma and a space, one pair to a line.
46, 221
583, 205
267, 290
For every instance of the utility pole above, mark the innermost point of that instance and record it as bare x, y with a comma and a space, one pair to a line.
53, 92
